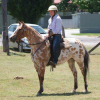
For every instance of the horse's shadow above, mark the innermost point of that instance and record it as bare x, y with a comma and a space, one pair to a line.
58, 94
65, 94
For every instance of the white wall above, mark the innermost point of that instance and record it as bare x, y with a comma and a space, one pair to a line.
67, 23
72, 23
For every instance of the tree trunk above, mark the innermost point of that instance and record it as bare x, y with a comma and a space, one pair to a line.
5, 29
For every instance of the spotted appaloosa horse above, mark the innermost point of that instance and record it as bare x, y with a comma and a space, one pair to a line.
41, 56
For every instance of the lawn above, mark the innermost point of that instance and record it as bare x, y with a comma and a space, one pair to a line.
57, 84
88, 34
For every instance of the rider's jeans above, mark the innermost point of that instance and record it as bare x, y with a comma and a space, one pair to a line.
56, 47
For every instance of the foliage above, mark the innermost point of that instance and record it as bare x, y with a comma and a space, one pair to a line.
29, 11
83, 5
87, 5
72, 7
65, 6
62, 6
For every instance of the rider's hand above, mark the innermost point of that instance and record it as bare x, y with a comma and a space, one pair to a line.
51, 34
46, 36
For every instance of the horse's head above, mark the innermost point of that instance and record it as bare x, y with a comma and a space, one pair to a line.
19, 33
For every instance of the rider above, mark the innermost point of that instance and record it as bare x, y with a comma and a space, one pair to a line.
54, 30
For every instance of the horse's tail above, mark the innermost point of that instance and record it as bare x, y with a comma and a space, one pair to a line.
86, 62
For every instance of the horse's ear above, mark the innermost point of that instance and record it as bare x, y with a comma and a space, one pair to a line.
23, 23
19, 22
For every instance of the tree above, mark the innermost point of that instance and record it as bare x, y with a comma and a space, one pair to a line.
83, 5
5, 29
87, 5
62, 6
29, 11
72, 6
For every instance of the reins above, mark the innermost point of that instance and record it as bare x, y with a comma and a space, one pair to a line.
34, 44
31, 44
39, 47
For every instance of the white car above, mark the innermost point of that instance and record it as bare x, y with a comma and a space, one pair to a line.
23, 46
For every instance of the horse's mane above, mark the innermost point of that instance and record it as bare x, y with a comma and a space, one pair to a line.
33, 31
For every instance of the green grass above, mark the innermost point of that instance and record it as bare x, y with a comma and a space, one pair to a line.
88, 34
57, 84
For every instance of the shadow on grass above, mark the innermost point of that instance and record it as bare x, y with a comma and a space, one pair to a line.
14, 51
25, 96
57, 94
65, 94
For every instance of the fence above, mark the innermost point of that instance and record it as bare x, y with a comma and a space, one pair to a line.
68, 20
89, 23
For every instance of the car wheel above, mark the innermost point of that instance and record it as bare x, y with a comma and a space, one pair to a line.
20, 47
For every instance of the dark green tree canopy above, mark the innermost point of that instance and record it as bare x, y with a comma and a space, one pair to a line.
29, 11
88, 5
65, 6
84, 5
62, 6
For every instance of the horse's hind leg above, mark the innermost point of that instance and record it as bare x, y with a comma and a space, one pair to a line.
71, 63
83, 71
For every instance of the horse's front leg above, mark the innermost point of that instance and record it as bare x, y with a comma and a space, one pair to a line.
41, 79
40, 70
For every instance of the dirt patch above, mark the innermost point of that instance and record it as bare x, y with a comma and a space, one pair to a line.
17, 78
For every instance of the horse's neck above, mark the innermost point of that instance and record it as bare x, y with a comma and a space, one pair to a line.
33, 37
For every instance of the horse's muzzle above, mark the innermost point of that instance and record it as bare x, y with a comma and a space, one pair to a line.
13, 38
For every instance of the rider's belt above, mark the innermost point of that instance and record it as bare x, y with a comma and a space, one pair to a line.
57, 34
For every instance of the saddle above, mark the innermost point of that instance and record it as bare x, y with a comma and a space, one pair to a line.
64, 44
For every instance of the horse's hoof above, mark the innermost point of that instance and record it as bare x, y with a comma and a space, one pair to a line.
39, 94
73, 91
85, 91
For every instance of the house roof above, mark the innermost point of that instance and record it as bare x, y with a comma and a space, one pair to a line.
57, 1
70, 1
